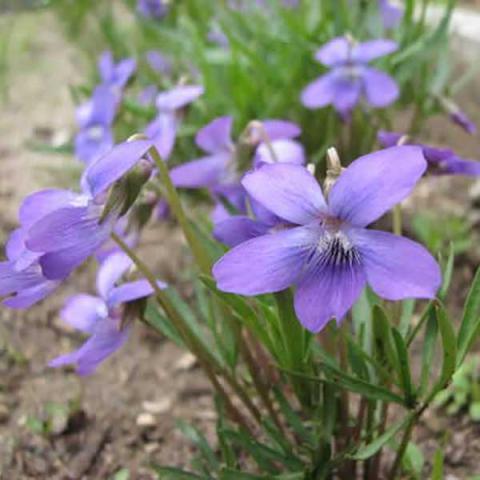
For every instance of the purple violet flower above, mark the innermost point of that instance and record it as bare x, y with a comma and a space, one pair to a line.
159, 62
33, 273
235, 229
64, 229
331, 255
219, 167
163, 129
457, 116
461, 119
350, 77
21, 277
116, 76
102, 316
61, 229
219, 170
95, 118
242, 5
156, 9
441, 161
147, 95
104, 172
391, 15
217, 36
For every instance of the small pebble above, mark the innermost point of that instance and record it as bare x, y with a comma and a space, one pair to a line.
158, 407
185, 362
146, 420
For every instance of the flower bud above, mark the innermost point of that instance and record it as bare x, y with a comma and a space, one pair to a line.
251, 137
126, 190
133, 310
334, 169
142, 212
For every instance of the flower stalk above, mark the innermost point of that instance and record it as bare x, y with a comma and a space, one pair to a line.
185, 332
199, 253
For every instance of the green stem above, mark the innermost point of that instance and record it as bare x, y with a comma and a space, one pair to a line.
294, 343
415, 417
397, 219
375, 463
260, 385
189, 338
423, 318
403, 447
199, 253
369, 427
344, 396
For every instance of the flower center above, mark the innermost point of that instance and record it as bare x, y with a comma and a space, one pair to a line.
333, 249
95, 132
351, 71
338, 249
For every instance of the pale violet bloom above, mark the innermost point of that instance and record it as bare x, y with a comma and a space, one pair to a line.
350, 77
115, 75
21, 279
219, 167
95, 118
155, 9
441, 161
330, 256
391, 14
102, 317
162, 130
461, 119
219, 170
159, 62
63, 229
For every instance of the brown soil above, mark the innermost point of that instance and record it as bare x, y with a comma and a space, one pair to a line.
126, 411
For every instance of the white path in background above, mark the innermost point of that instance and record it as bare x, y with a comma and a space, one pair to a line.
465, 22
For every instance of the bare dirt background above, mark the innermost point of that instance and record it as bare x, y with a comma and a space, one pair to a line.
125, 415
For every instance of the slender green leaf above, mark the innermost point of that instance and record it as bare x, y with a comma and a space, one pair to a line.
437, 469
356, 360
449, 346
447, 272
278, 439
335, 376
243, 311
160, 322
408, 307
413, 460
385, 346
122, 474
295, 340
428, 350
172, 473
380, 368
404, 368
372, 448
229, 456
293, 333
197, 438
471, 320
293, 419
265, 457
229, 474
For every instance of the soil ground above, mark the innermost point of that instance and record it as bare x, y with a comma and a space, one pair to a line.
125, 416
